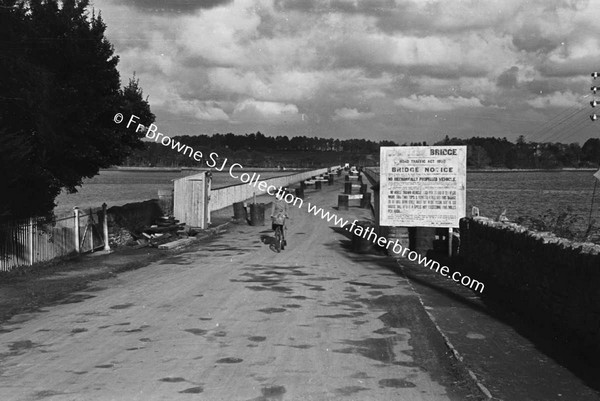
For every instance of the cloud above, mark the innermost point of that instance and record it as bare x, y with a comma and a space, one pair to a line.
176, 6
530, 39
277, 63
432, 103
573, 61
471, 55
283, 85
509, 78
170, 99
200, 110
217, 35
415, 16
557, 99
351, 114
251, 110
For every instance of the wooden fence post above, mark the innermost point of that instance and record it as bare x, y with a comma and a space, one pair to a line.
105, 227
90, 226
207, 190
30, 241
450, 241
76, 219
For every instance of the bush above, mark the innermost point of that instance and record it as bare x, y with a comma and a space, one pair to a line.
564, 224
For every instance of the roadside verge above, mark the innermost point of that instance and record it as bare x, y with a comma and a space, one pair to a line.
29, 289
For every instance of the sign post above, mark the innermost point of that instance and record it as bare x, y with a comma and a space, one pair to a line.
423, 186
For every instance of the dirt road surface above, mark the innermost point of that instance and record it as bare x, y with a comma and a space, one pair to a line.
233, 320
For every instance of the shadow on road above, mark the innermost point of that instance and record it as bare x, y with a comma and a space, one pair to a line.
446, 293
267, 239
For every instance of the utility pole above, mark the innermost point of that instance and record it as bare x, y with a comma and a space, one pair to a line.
594, 117
594, 102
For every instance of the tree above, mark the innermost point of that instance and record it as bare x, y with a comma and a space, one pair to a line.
591, 151
477, 157
60, 89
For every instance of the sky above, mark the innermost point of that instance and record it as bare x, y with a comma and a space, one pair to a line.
400, 70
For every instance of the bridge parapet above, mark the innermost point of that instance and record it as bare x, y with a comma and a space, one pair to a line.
549, 280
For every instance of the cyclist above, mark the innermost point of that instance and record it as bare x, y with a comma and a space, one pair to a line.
279, 212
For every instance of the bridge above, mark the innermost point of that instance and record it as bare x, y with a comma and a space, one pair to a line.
228, 319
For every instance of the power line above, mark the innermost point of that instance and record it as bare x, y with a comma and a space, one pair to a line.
574, 120
550, 130
567, 136
581, 124
553, 120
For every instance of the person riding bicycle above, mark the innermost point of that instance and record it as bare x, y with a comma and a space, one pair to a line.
279, 212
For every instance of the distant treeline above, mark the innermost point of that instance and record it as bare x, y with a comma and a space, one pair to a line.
501, 153
259, 150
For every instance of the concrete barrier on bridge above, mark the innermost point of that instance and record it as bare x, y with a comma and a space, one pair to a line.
350, 188
372, 174
226, 196
359, 243
345, 199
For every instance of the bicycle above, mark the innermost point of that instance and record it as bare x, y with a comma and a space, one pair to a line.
279, 241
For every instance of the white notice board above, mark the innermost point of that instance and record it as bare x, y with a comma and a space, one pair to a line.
422, 186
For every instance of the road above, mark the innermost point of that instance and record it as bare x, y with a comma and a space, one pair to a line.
232, 320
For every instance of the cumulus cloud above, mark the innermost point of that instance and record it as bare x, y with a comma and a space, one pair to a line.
432, 103
226, 62
557, 99
414, 15
434, 55
284, 85
509, 78
251, 110
169, 98
351, 114
176, 5
530, 39
198, 109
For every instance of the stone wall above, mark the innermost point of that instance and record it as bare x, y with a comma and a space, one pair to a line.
550, 281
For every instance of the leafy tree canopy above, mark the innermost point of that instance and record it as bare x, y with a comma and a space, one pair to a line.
59, 90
